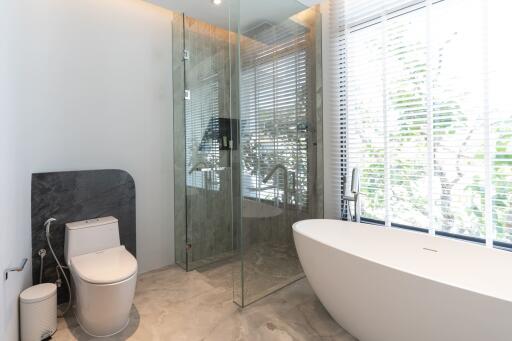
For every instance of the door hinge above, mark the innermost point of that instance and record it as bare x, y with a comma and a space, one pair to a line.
186, 55
187, 94
188, 247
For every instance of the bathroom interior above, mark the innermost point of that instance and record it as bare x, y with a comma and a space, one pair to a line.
255, 170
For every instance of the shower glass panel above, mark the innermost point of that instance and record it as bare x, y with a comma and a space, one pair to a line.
202, 142
280, 163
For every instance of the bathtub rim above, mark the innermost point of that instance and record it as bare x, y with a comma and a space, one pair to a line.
295, 227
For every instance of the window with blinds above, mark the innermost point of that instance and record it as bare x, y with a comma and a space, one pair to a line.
274, 109
425, 114
201, 118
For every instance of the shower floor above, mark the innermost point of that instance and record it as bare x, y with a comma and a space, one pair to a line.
268, 268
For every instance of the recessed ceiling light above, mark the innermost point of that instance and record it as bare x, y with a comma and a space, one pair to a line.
216, 2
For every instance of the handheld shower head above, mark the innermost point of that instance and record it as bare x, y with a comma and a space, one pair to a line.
354, 186
48, 224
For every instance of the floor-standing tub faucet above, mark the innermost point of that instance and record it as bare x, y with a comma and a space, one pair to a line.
355, 196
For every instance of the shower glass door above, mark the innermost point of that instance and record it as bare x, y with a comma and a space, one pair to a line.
279, 73
204, 229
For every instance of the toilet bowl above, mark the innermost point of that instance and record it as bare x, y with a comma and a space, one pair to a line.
104, 275
104, 288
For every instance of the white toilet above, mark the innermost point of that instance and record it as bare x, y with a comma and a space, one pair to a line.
104, 275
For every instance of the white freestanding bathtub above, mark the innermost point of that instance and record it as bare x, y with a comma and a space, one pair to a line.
386, 284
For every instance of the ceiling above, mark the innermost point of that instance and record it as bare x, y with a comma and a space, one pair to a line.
252, 12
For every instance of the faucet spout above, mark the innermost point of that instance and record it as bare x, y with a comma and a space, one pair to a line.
285, 179
196, 166
273, 170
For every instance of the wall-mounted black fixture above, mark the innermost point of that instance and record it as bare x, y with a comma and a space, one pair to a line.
222, 131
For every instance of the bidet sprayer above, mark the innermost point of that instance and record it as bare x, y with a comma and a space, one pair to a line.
47, 224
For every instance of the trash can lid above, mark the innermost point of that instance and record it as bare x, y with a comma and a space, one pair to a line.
38, 293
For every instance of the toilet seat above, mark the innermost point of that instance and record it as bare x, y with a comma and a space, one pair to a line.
108, 266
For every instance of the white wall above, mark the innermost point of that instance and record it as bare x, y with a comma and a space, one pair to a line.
85, 84
332, 183
14, 206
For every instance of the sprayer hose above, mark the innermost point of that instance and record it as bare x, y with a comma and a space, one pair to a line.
64, 274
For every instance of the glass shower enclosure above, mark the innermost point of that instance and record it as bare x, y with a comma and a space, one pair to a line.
247, 140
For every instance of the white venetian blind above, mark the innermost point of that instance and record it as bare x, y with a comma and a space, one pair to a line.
424, 112
201, 119
274, 110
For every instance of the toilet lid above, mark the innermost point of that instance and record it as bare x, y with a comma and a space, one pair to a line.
105, 267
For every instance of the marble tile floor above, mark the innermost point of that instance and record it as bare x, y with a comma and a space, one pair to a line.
173, 305
268, 267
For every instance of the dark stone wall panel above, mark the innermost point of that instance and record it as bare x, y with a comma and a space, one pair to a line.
74, 196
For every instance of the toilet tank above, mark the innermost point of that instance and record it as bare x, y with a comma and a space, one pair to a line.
88, 236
